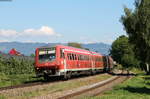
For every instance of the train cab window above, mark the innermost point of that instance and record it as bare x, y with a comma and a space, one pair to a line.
46, 55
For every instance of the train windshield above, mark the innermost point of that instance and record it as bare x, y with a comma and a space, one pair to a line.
46, 55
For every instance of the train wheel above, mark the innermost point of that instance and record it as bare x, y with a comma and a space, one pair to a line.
67, 76
46, 77
92, 72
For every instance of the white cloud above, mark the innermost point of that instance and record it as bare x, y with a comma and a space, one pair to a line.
42, 34
44, 30
4, 41
90, 40
8, 33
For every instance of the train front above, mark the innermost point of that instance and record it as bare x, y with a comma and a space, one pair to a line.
46, 62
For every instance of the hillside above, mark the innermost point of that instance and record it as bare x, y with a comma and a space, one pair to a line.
29, 48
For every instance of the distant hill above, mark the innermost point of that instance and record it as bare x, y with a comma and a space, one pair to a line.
29, 48
98, 47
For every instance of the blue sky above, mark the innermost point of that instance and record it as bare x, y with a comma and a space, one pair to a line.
84, 21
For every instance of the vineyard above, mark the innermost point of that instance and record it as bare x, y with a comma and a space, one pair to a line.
16, 69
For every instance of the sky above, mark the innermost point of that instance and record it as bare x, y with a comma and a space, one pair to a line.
62, 21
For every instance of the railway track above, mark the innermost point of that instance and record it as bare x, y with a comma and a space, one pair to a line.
20, 86
34, 83
91, 90
40, 82
95, 89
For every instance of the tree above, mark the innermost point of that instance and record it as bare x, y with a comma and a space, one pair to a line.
32, 55
74, 44
137, 26
122, 52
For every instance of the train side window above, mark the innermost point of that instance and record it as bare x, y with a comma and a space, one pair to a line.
75, 57
100, 59
82, 57
72, 56
68, 56
93, 58
86, 57
78, 56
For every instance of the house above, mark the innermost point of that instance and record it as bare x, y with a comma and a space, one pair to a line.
13, 51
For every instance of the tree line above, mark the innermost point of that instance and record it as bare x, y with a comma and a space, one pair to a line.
134, 49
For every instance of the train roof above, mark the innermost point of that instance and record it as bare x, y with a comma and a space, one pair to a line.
70, 48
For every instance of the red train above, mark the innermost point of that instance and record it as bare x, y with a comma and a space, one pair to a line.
66, 61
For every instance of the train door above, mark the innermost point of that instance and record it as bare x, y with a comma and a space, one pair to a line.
75, 61
78, 61
68, 61
93, 63
63, 57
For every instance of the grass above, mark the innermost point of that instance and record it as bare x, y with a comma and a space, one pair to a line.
10, 80
54, 88
136, 88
